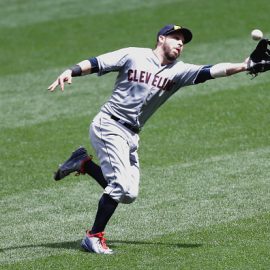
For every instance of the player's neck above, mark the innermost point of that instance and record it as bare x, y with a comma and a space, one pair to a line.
161, 57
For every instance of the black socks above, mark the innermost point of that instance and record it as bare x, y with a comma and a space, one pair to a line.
107, 205
106, 208
95, 171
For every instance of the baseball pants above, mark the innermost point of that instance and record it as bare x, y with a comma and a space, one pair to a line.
116, 147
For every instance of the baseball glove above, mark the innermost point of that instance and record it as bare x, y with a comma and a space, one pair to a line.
259, 60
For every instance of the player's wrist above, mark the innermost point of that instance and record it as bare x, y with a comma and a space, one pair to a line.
245, 65
76, 71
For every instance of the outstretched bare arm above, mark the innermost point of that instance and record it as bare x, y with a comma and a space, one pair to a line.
227, 69
82, 68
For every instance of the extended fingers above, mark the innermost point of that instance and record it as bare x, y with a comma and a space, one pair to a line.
61, 83
52, 87
64, 77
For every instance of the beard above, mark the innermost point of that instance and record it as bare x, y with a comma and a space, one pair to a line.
169, 54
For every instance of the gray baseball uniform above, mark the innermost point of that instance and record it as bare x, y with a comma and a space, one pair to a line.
143, 84
141, 87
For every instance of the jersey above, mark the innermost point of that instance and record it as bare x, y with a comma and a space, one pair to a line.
142, 84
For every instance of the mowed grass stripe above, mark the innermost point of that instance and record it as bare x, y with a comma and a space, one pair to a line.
26, 101
200, 194
190, 128
17, 13
50, 44
236, 245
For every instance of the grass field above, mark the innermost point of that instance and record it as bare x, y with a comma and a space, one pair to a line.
204, 201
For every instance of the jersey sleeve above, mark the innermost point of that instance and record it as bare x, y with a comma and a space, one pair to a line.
112, 61
204, 75
189, 74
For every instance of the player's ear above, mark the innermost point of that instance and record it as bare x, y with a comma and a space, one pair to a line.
161, 39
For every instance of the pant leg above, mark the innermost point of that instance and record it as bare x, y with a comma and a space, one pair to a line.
116, 148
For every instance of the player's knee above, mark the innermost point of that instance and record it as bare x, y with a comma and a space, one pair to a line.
129, 197
123, 193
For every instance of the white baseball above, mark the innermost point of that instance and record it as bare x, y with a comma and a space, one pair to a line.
256, 34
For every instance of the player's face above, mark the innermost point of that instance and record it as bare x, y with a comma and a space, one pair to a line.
173, 46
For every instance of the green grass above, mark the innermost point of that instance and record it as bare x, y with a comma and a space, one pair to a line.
204, 201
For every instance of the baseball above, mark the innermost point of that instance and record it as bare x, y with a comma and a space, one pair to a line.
256, 34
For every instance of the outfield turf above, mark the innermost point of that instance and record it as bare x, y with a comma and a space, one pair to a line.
204, 201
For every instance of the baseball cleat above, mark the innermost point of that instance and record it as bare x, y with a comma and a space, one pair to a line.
95, 243
73, 164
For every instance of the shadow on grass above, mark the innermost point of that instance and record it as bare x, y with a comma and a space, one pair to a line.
76, 245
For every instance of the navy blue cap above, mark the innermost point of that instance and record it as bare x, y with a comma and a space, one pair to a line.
171, 28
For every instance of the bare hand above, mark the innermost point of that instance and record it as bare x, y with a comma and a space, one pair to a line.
64, 77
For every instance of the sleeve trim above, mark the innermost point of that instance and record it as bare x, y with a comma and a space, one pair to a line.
94, 65
203, 75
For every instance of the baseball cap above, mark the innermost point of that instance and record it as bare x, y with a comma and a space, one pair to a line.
171, 28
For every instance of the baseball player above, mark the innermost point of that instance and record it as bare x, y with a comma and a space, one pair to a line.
146, 78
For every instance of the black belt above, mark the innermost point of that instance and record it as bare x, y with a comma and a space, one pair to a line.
127, 125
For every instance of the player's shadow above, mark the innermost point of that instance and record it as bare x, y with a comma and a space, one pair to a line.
175, 245
76, 245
